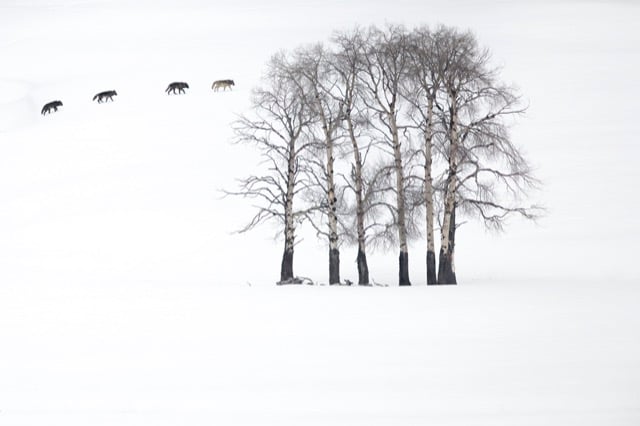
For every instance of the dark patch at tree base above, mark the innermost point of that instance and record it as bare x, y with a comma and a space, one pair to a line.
446, 275
404, 268
445, 270
334, 266
286, 268
431, 268
363, 268
296, 280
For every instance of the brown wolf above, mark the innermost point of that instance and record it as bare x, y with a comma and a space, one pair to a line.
108, 95
51, 105
222, 83
177, 85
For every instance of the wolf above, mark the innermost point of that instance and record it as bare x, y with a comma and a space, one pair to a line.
51, 105
177, 85
222, 83
106, 95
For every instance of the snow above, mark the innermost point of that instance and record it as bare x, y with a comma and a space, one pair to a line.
125, 297
553, 353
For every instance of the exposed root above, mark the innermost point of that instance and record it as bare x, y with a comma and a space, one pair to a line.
296, 280
345, 283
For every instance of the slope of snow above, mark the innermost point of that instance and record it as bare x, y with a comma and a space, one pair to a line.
131, 354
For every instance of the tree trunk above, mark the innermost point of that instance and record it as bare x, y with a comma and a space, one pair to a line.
334, 253
334, 266
452, 246
445, 261
400, 203
286, 268
328, 128
404, 268
363, 269
431, 268
446, 272
428, 195
446, 275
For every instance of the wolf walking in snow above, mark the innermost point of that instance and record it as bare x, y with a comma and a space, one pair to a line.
105, 96
177, 85
222, 83
51, 106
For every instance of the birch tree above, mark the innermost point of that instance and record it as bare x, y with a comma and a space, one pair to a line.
275, 127
384, 67
347, 64
494, 176
421, 91
318, 84
459, 63
319, 106
484, 165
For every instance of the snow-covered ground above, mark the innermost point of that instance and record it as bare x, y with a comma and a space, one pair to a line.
125, 299
488, 354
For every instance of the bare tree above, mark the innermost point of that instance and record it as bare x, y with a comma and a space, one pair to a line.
385, 66
494, 176
318, 84
421, 91
276, 128
482, 160
347, 64
318, 107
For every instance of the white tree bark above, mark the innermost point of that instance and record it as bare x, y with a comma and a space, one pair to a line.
428, 195
334, 254
400, 201
446, 272
286, 270
363, 268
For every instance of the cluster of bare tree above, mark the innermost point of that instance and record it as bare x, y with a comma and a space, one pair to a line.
379, 133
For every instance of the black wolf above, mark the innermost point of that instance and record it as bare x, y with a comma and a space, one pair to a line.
105, 96
50, 106
222, 83
177, 85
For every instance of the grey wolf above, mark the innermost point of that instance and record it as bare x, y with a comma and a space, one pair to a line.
51, 105
106, 95
222, 83
177, 85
